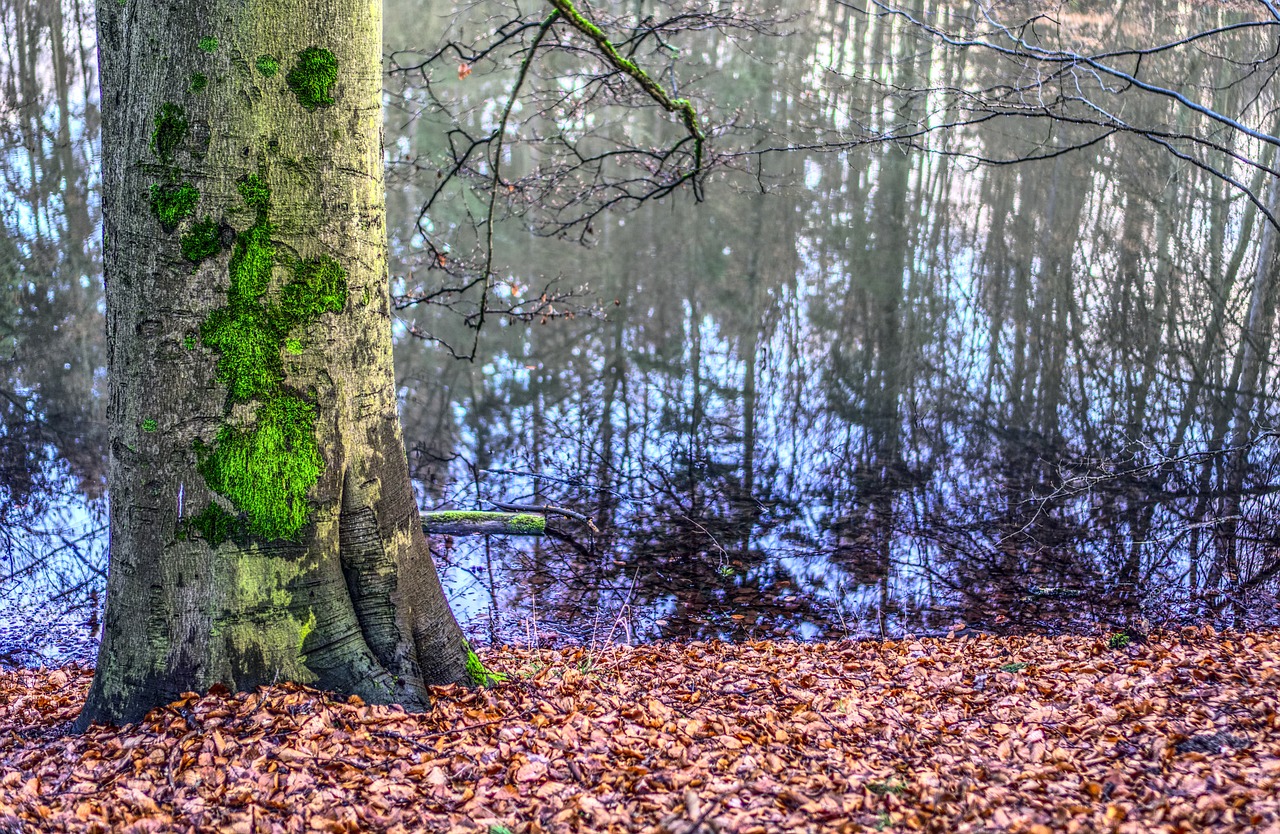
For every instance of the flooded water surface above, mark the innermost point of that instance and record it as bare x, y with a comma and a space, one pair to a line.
854, 391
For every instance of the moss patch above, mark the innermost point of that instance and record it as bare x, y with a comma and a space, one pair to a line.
171, 129
267, 65
319, 286
215, 525
526, 523
173, 202
201, 241
480, 674
313, 76
199, 81
266, 468
150, 425
208, 44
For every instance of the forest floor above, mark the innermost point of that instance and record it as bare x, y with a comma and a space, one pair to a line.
1041, 735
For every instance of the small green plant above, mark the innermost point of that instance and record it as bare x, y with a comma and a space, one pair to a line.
208, 44
150, 425
499, 829
894, 786
882, 822
725, 571
1014, 668
189, 342
1119, 640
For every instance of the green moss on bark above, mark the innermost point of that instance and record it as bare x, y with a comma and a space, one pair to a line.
201, 241
519, 523
313, 76
319, 286
171, 129
215, 525
267, 467
199, 81
173, 202
208, 44
267, 65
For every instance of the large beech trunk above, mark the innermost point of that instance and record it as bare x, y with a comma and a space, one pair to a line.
263, 525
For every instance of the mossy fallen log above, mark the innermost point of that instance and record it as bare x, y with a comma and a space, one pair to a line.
477, 523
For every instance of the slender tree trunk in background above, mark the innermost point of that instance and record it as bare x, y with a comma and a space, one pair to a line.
1254, 348
263, 525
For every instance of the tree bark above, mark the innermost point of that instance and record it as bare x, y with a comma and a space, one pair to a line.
263, 525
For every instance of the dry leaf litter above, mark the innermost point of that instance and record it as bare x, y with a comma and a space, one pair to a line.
1014, 734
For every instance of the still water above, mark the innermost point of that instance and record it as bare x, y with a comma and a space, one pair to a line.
855, 391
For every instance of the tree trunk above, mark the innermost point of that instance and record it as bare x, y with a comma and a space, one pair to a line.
263, 525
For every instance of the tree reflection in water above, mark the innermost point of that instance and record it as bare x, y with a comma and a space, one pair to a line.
52, 429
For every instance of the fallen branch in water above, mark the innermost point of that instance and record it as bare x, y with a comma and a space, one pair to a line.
474, 523
547, 509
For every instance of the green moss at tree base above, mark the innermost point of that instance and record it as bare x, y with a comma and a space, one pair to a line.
312, 77
479, 674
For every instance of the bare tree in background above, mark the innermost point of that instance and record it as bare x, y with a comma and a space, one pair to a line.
562, 119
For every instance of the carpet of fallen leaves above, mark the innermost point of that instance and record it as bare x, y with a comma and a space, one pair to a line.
1012, 734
